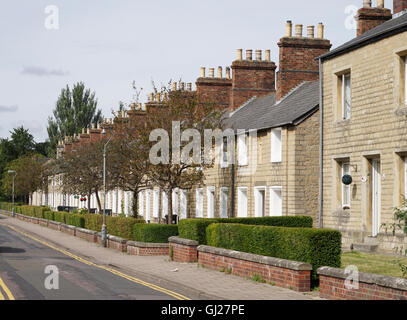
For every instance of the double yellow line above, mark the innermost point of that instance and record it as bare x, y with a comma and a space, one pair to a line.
118, 273
6, 290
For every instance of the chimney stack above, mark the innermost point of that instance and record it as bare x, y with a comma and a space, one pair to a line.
399, 6
297, 58
251, 77
368, 17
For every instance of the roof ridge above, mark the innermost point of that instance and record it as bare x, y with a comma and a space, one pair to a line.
291, 92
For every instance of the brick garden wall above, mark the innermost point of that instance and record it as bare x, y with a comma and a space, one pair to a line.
183, 250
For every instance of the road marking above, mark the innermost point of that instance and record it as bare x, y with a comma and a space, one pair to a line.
118, 273
6, 290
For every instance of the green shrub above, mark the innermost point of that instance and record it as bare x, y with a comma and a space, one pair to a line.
154, 233
49, 215
318, 247
60, 216
93, 221
195, 229
76, 220
122, 226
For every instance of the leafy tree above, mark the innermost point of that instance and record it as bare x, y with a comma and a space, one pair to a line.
29, 178
75, 110
190, 112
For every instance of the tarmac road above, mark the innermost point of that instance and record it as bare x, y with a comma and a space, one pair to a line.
23, 263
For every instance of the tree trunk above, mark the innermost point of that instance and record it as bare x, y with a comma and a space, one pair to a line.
135, 204
90, 194
98, 202
169, 196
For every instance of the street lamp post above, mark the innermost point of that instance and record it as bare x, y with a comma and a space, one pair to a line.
104, 235
14, 173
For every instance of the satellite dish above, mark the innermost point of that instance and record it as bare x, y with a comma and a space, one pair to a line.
347, 179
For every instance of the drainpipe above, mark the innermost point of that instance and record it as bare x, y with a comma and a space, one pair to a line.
321, 122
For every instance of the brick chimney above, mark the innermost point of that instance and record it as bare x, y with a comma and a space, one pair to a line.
297, 57
251, 77
84, 137
217, 90
369, 17
399, 6
95, 133
67, 144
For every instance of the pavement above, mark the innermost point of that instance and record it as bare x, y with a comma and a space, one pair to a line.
30, 246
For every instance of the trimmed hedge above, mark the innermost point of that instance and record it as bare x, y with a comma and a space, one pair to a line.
154, 233
195, 229
122, 226
93, 222
319, 247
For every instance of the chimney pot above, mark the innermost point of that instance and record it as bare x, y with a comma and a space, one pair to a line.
158, 97
227, 73
289, 29
211, 72
380, 4
182, 86
367, 3
189, 86
203, 72
239, 54
310, 31
220, 72
321, 30
268, 55
151, 98
298, 30
258, 55
249, 55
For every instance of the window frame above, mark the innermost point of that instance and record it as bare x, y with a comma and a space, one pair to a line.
405, 79
276, 156
343, 186
223, 190
210, 191
239, 201
199, 195
272, 193
242, 149
345, 115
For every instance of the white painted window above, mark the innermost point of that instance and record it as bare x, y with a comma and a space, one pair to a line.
346, 96
345, 188
260, 201
148, 205
141, 204
242, 149
276, 146
184, 204
223, 203
225, 154
156, 196
405, 177
242, 196
276, 201
210, 201
175, 195
199, 203
405, 80
164, 204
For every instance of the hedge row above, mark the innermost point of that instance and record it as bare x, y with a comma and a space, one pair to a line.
195, 229
154, 233
318, 247
118, 226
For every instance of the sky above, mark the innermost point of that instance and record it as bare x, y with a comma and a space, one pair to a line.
108, 44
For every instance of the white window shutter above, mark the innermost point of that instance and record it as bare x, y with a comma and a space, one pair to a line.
155, 203
276, 145
276, 202
183, 204
242, 145
224, 203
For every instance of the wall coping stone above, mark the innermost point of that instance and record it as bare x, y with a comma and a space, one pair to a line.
68, 226
116, 239
276, 262
54, 222
43, 220
186, 242
370, 278
86, 231
147, 244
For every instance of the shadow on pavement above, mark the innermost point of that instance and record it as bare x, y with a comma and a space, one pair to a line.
11, 250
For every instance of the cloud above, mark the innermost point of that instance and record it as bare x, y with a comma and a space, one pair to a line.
43, 72
12, 108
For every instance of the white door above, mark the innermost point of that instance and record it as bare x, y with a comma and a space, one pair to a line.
210, 202
242, 202
183, 204
376, 195
259, 202
276, 203
223, 206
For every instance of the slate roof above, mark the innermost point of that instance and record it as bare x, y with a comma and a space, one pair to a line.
266, 113
386, 29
